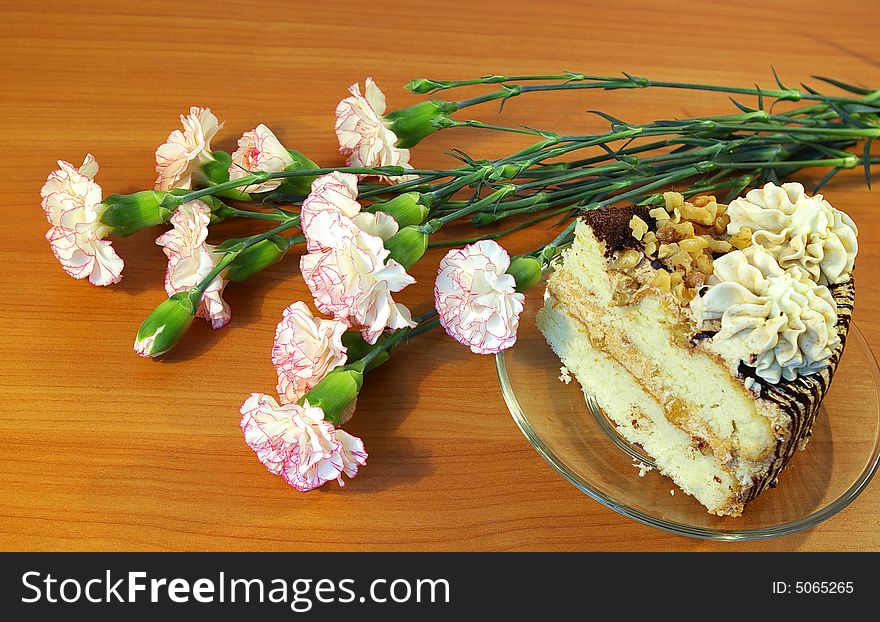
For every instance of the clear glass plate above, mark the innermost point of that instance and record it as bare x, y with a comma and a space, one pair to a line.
582, 445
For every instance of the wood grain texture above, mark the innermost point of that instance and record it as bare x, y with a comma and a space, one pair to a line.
103, 450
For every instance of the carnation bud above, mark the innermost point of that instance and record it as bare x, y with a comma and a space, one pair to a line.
412, 124
407, 245
406, 209
526, 271
125, 214
337, 390
255, 258
423, 86
299, 185
167, 324
216, 171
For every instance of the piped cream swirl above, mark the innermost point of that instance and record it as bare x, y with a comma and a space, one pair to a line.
800, 231
778, 321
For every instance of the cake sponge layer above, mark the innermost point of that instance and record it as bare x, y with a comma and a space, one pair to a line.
636, 414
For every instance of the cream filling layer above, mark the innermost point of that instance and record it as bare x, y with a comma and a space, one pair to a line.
637, 415
646, 339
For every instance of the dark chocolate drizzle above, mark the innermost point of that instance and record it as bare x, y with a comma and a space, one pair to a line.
801, 398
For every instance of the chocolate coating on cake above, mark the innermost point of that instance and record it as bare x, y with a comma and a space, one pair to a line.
802, 397
611, 225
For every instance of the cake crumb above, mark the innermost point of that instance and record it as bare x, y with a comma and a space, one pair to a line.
564, 375
642, 467
672, 491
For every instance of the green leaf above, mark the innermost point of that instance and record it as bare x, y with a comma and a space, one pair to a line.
742, 107
866, 159
613, 120
856, 108
778, 81
639, 82
760, 97
843, 114
843, 85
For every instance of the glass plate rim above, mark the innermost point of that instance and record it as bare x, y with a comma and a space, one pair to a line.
682, 529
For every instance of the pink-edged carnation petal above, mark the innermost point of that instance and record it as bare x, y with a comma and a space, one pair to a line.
364, 136
84, 256
337, 192
259, 150
476, 299
351, 277
71, 201
191, 259
305, 349
334, 192
295, 442
353, 453
184, 151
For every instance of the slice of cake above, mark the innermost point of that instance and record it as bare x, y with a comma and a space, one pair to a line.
708, 334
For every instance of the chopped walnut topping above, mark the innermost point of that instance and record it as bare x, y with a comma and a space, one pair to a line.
700, 214
650, 243
687, 233
717, 246
661, 281
639, 227
694, 246
721, 223
627, 260
742, 238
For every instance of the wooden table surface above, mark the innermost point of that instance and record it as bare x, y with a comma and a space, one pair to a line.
104, 450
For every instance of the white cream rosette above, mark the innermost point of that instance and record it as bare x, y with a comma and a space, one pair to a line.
778, 321
800, 231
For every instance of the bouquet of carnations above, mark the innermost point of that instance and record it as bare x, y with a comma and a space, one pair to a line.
357, 229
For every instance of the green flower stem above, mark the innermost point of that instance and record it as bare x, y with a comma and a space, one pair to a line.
422, 328
689, 171
230, 255
262, 177
497, 235
497, 128
424, 86
548, 149
424, 323
853, 133
240, 213
587, 82
848, 162
476, 206
450, 188
629, 151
